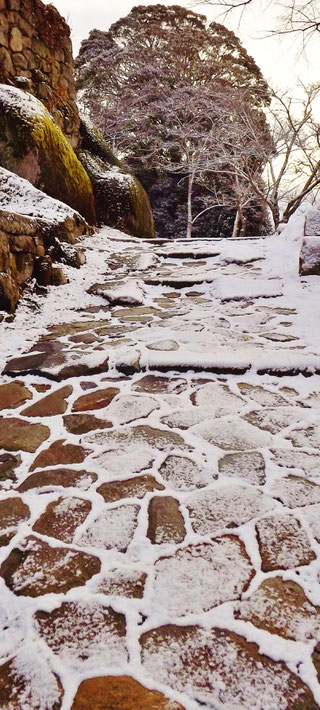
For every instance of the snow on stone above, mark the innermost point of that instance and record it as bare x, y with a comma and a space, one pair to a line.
198, 577
128, 408
212, 511
233, 435
19, 196
114, 528
231, 288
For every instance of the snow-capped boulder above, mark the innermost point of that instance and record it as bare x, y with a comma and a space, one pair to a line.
32, 146
120, 199
309, 263
33, 232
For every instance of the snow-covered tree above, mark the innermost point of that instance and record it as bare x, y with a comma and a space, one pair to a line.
155, 87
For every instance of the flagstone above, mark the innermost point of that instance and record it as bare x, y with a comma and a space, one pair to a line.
19, 434
121, 581
273, 420
54, 403
212, 511
138, 436
136, 487
157, 384
95, 400
34, 568
233, 435
283, 544
81, 631
219, 669
295, 492
13, 395
62, 518
83, 423
184, 474
59, 453
127, 408
309, 437
166, 522
197, 578
295, 458
113, 528
8, 464
247, 465
218, 399
56, 477
281, 607
120, 693
29, 684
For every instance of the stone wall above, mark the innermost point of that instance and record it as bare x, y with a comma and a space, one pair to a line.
36, 54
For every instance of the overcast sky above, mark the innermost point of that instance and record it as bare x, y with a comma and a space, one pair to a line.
277, 58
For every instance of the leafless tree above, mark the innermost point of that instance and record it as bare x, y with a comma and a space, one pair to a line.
291, 158
300, 17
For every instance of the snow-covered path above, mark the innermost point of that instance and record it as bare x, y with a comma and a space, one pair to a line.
160, 482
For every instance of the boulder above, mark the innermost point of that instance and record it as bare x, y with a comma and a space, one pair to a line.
34, 147
309, 263
121, 201
31, 227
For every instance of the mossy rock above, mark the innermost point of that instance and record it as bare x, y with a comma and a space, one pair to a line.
32, 146
121, 201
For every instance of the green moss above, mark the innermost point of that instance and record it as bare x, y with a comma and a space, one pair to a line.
32, 146
62, 172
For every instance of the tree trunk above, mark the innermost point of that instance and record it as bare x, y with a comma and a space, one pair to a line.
189, 223
237, 223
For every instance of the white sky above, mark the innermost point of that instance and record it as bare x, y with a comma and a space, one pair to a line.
278, 59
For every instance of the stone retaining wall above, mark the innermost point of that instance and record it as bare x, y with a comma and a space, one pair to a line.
36, 54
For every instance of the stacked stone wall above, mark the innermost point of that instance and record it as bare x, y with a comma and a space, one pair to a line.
36, 54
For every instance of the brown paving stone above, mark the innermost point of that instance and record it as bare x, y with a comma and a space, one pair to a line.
8, 464
296, 458
80, 631
141, 435
59, 454
295, 492
86, 338
282, 543
131, 488
82, 423
248, 465
41, 388
273, 420
62, 517
214, 510
112, 529
166, 523
54, 403
12, 512
34, 568
199, 577
123, 582
49, 358
220, 669
309, 437
281, 607
88, 385
155, 384
13, 395
65, 477
95, 400
184, 474
261, 395
120, 693
57, 331
19, 434
28, 685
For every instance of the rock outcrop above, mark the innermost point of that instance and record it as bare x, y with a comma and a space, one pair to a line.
309, 262
120, 199
32, 146
33, 229
36, 54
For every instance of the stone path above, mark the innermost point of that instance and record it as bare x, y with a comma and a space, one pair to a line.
160, 487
